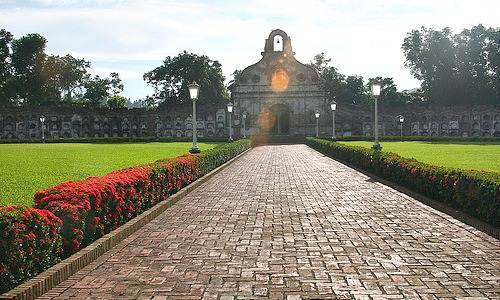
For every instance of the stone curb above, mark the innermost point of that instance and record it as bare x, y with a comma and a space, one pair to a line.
448, 212
58, 273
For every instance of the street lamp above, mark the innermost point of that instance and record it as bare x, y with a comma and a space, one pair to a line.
376, 88
42, 120
316, 114
230, 110
401, 119
157, 126
194, 90
333, 106
244, 125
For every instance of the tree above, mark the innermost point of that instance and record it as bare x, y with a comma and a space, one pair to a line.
455, 68
353, 91
320, 62
170, 80
493, 57
331, 80
73, 73
344, 89
117, 102
27, 61
30, 77
98, 90
7, 89
232, 83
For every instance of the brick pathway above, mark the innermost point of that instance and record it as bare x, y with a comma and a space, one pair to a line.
285, 222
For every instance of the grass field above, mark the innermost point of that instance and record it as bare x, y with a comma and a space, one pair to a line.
478, 156
27, 168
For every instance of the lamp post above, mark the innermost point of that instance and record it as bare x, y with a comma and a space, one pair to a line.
194, 90
333, 106
157, 126
230, 110
316, 114
376, 88
401, 119
42, 120
244, 125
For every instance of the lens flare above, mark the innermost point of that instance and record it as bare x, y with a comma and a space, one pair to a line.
279, 81
266, 119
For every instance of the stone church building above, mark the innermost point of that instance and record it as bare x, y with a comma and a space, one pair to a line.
279, 94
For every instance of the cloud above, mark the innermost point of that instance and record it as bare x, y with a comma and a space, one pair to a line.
363, 36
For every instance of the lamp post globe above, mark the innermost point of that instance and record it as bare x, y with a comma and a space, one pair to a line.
194, 90
42, 120
376, 88
401, 119
316, 114
333, 107
230, 111
244, 125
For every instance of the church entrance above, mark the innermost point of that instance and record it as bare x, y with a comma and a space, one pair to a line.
281, 117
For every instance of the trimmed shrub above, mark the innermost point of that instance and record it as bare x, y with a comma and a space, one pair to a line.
29, 244
476, 193
92, 207
211, 159
95, 206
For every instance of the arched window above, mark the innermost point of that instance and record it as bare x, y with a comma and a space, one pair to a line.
278, 43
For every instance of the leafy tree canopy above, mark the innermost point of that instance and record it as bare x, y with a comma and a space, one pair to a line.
30, 77
344, 89
117, 102
99, 90
170, 80
455, 69
236, 77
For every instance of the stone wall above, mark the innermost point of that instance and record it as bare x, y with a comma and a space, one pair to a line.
213, 122
443, 121
86, 123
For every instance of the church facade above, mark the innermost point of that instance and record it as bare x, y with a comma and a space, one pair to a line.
278, 94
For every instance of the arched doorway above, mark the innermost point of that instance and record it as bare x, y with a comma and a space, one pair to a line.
281, 117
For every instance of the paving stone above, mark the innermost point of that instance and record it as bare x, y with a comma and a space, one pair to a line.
285, 222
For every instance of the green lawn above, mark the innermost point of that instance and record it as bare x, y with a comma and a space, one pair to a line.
27, 168
462, 155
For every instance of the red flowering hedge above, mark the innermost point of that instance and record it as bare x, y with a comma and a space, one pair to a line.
474, 192
93, 207
74, 214
29, 243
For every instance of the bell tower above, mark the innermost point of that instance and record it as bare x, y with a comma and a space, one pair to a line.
278, 42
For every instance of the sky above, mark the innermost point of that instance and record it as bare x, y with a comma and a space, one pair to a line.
131, 37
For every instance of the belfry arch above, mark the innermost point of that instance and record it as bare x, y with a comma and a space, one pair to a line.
279, 90
278, 43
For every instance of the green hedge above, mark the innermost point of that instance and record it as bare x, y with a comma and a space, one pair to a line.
476, 193
210, 159
396, 138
